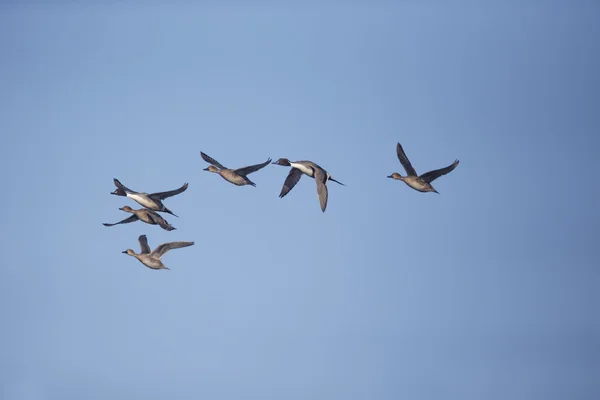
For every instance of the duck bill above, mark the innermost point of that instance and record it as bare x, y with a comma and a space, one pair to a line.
391, 176
124, 252
206, 169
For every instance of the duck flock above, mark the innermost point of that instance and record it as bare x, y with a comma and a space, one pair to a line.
152, 202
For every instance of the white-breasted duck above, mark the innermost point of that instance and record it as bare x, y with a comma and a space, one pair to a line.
236, 176
421, 183
151, 201
307, 168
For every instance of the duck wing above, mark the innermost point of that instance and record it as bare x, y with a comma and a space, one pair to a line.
252, 168
144, 244
132, 218
212, 161
164, 195
410, 171
160, 221
436, 173
321, 178
163, 248
291, 180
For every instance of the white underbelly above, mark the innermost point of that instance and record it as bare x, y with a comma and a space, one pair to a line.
303, 168
142, 200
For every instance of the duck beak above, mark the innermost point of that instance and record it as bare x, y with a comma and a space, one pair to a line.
206, 169
124, 252
391, 176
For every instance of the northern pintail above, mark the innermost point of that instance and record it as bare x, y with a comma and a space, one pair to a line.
236, 176
150, 201
144, 215
151, 259
307, 168
421, 183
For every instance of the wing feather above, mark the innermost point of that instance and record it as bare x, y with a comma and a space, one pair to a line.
211, 160
410, 171
433, 175
291, 180
144, 244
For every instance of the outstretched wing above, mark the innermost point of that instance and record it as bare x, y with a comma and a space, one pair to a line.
252, 168
433, 175
410, 171
212, 161
144, 244
321, 179
163, 248
164, 195
291, 180
132, 218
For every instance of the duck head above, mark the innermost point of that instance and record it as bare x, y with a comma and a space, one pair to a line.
284, 162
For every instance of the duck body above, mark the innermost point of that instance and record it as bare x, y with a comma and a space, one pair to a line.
150, 262
308, 168
152, 201
232, 177
238, 177
414, 182
144, 215
421, 183
152, 259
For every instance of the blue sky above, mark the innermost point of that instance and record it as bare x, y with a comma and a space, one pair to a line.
488, 290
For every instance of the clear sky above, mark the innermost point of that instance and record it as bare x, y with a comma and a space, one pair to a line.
488, 290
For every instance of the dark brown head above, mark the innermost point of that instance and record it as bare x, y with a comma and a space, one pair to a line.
119, 192
284, 162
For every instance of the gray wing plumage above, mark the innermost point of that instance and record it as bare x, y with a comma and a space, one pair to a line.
164, 195
144, 244
156, 218
163, 248
433, 175
211, 160
132, 218
252, 168
160, 221
410, 171
291, 180
321, 178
